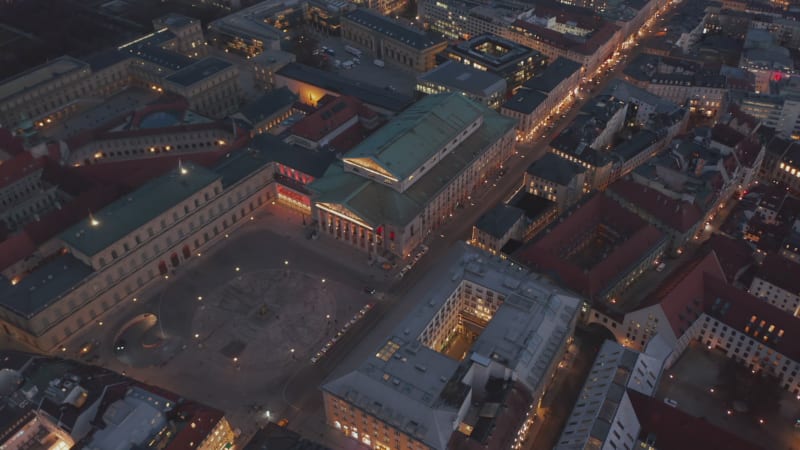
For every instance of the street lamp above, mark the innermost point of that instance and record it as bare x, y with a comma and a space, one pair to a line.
199, 298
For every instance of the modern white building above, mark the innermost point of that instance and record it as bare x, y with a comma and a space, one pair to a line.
603, 416
484, 333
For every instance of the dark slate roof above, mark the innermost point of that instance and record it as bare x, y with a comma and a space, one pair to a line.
556, 169
525, 101
199, 71
393, 29
465, 78
637, 143
367, 93
42, 286
310, 162
268, 104
556, 72
101, 60
499, 220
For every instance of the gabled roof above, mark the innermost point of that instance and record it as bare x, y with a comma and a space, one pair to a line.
734, 255
768, 324
415, 135
681, 294
780, 272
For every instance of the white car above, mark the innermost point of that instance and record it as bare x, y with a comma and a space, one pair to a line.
670, 402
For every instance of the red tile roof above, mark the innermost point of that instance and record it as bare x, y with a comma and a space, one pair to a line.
676, 214
681, 294
9, 143
673, 429
737, 309
19, 167
15, 248
734, 255
546, 252
204, 418
329, 117
781, 272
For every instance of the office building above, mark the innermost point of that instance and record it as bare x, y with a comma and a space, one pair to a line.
542, 93
450, 76
493, 54
484, 333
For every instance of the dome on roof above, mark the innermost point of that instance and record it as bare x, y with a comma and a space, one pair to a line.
9, 381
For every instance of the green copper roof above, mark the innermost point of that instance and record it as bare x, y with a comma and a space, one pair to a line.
120, 218
378, 204
411, 138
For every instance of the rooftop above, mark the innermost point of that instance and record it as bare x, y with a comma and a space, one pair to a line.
125, 215
555, 72
499, 220
592, 270
42, 286
421, 391
780, 272
494, 51
554, 168
377, 204
199, 71
367, 93
674, 429
330, 117
39, 75
393, 29
414, 136
636, 144
464, 78
677, 214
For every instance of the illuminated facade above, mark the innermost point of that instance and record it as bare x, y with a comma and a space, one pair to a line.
424, 162
460, 348
702, 307
391, 41
128, 245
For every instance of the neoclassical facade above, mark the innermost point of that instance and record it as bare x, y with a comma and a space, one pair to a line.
405, 180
